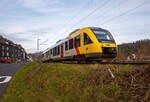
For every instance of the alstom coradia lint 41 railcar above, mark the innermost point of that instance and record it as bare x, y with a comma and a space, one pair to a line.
86, 44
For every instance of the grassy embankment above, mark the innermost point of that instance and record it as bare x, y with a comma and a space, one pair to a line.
79, 83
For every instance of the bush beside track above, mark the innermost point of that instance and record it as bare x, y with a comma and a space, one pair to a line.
56, 82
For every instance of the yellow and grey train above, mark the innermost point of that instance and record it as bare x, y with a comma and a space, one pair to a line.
86, 44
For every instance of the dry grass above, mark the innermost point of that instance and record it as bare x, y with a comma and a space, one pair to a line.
56, 82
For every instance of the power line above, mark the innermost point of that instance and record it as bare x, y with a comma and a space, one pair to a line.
124, 13
89, 14
111, 8
44, 42
77, 14
85, 17
70, 20
82, 19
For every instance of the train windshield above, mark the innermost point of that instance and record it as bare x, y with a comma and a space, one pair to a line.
103, 36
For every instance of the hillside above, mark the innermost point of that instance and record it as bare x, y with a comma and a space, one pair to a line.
139, 49
56, 82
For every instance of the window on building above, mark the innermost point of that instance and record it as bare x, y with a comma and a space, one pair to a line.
7, 48
77, 41
66, 45
71, 44
7, 54
3, 54
2, 47
87, 39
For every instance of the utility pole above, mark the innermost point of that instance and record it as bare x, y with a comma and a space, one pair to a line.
38, 44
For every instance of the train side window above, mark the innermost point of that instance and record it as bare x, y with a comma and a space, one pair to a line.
71, 44
49, 53
77, 41
58, 49
87, 39
66, 45
46, 54
53, 52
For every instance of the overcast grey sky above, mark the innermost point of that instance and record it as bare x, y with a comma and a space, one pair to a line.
23, 21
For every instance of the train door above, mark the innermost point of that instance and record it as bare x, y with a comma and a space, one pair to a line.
88, 44
62, 51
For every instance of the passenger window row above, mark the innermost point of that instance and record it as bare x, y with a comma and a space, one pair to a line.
69, 44
56, 51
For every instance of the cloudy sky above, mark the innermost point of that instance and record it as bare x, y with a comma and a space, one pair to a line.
24, 21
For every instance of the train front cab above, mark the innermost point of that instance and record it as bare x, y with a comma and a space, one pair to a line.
97, 44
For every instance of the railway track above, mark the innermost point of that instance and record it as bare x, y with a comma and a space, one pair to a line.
127, 62
99, 62
114, 62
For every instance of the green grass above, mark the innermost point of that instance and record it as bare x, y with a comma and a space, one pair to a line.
56, 82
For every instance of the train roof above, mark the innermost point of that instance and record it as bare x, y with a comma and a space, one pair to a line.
96, 28
74, 31
92, 28
56, 44
63, 40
